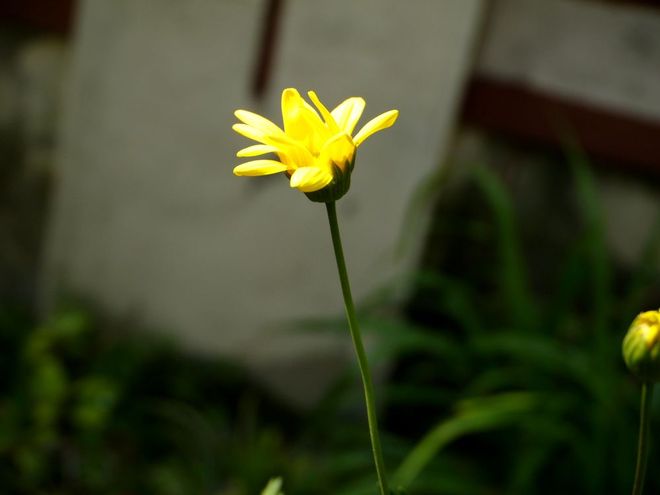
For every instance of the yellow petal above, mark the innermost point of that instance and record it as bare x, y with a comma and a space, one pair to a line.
347, 113
259, 135
256, 150
338, 150
259, 167
327, 116
258, 122
310, 179
251, 133
383, 121
301, 121
293, 153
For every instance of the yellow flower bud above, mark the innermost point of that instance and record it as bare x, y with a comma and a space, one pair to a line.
641, 347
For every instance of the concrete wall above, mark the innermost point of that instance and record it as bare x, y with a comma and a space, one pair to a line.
599, 53
149, 220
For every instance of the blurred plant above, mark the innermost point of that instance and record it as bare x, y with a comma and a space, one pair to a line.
274, 487
85, 411
560, 347
550, 400
512, 390
641, 352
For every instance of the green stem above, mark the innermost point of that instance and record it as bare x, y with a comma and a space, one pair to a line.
359, 348
642, 446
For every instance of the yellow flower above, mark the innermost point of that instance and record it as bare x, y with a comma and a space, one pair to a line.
316, 149
641, 346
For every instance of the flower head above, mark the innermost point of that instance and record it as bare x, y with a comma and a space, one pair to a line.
641, 346
316, 149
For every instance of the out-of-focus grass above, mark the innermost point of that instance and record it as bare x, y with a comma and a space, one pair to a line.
83, 411
509, 391
553, 408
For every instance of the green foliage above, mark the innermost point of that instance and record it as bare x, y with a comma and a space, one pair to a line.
472, 416
84, 411
274, 487
551, 407
505, 389
561, 347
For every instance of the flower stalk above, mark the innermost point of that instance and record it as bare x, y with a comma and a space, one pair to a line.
363, 363
315, 149
643, 443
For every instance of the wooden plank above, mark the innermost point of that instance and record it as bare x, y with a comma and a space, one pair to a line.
519, 111
51, 15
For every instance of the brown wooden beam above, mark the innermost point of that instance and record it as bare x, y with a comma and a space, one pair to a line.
51, 15
519, 111
267, 45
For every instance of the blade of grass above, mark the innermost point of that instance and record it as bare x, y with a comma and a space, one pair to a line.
513, 277
475, 415
605, 356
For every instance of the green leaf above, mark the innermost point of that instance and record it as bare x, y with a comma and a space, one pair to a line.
472, 416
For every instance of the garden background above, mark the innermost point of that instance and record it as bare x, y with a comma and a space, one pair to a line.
168, 328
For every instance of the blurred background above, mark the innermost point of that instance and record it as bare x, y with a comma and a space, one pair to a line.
168, 328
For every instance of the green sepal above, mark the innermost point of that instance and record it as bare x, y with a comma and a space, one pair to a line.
339, 186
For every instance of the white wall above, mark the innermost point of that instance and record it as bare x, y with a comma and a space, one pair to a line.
149, 220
